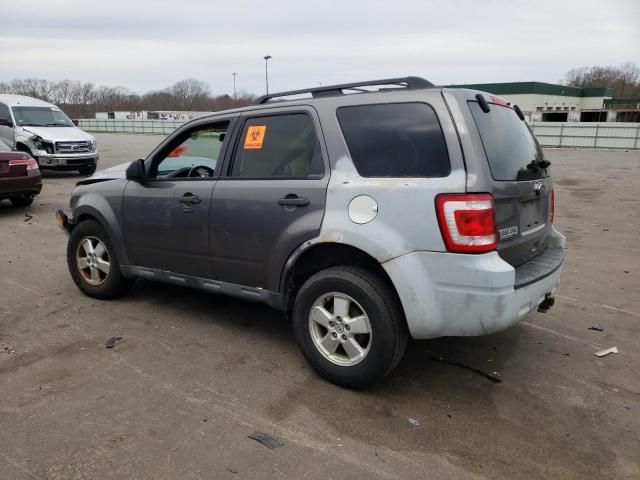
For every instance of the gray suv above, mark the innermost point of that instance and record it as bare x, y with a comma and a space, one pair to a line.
370, 212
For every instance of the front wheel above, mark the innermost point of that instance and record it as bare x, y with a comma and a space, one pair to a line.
92, 262
349, 326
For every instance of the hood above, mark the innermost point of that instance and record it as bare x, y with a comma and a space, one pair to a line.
113, 173
59, 134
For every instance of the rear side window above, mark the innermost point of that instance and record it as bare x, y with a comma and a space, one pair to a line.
511, 150
279, 146
395, 140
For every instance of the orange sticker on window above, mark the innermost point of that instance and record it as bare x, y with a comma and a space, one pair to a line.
179, 150
255, 137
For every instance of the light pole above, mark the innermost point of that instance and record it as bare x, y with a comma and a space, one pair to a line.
235, 74
266, 71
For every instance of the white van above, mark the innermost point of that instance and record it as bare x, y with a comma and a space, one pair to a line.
47, 134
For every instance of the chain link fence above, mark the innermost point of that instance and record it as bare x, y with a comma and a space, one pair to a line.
588, 135
549, 134
144, 127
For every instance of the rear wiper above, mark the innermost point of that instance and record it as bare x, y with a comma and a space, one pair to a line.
537, 165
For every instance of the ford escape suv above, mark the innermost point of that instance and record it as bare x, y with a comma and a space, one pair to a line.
370, 212
44, 131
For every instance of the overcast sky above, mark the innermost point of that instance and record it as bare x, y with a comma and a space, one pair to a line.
149, 44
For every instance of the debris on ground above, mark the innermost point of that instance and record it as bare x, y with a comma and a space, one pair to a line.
28, 217
413, 422
232, 470
606, 351
491, 377
597, 329
9, 350
112, 341
267, 440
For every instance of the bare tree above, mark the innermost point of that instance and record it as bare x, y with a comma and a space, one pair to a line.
190, 93
83, 99
623, 79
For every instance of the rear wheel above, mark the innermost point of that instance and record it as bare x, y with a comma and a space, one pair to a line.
23, 200
92, 262
349, 326
90, 170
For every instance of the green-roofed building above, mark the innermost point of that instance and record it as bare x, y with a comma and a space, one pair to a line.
548, 102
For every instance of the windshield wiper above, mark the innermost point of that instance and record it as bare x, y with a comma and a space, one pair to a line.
56, 125
537, 165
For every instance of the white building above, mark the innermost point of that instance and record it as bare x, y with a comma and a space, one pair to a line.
548, 102
150, 115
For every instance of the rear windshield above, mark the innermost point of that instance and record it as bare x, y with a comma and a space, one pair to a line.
395, 140
509, 145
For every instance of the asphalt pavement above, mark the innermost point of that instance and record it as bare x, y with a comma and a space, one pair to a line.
195, 374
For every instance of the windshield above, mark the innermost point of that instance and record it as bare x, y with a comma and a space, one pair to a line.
41, 117
511, 150
4, 147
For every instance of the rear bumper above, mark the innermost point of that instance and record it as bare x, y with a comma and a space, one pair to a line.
447, 294
18, 185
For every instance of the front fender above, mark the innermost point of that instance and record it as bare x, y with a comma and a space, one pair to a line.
108, 214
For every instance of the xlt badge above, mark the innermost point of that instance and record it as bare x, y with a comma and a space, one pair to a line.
508, 232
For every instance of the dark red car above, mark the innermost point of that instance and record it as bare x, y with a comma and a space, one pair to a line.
20, 179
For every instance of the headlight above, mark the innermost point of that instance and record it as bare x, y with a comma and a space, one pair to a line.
41, 144
93, 145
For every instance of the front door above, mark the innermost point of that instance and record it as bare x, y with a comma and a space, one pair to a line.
270, 199
166, 217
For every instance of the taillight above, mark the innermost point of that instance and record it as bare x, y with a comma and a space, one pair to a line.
32, 164
467, 222
552, 206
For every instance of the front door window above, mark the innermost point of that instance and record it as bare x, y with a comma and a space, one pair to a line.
196, 156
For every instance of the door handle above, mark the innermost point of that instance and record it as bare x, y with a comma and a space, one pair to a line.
190, 198
294, 200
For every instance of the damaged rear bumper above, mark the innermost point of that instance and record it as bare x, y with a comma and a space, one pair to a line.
447, 294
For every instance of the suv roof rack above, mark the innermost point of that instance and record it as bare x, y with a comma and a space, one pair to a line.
410, 83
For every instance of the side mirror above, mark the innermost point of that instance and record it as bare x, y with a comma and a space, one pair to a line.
5, 122
76, 123
135, 170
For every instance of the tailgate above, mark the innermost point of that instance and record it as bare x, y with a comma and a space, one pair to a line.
519, 183
13, 164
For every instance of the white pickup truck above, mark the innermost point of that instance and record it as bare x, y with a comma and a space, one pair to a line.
47, 134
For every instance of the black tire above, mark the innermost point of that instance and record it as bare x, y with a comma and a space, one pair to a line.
23, 200
114, 284
389, 333
90, 170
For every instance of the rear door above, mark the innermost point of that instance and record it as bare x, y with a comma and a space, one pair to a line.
517, 177
271, 197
